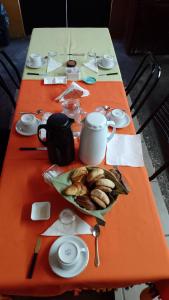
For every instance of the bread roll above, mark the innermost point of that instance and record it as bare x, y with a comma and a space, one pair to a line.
104, 188
79, 174
94, 175
96, 193
76, 189
85, 202
98, 201
105, 182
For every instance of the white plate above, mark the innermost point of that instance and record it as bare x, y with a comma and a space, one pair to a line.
55, 80
75, 270
30, 65
40, 211
19, 129
124, 123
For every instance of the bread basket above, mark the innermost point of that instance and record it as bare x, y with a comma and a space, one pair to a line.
63, 180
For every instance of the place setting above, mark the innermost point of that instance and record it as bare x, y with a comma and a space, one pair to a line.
35, 61
27, 125
119, 116
69, 254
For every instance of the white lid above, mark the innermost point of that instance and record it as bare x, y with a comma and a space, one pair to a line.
95, 120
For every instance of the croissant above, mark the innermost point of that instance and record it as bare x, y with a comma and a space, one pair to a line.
76, 189
79, 174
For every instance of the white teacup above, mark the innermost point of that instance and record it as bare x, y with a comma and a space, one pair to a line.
117, 115
68, 254
28, 123
107, 61
35, 60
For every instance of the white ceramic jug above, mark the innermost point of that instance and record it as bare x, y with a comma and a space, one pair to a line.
94, 138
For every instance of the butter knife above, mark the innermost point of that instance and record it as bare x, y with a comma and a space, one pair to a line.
32, 73
115, 73
76, 54
34, 258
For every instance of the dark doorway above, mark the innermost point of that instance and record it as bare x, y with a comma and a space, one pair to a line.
52, 13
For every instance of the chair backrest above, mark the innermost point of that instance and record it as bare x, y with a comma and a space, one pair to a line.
9, 76
143, 82
161, 116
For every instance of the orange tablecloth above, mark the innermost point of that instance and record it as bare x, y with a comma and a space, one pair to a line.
132, 245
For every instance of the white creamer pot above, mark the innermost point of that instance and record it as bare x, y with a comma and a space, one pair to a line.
94, 138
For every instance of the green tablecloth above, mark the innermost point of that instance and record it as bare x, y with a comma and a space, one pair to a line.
72, 40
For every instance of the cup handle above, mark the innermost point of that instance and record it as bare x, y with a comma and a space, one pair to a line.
42, 126
111, 124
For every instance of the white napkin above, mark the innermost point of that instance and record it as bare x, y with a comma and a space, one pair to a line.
125, 150
92, 65
77, 227
55, 80
73, 86
53, 65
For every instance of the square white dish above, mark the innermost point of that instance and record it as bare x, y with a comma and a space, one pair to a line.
40, 211
55, 80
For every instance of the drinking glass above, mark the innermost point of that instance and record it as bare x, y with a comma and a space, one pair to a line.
91, 56
72, 109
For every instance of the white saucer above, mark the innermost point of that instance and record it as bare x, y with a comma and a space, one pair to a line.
79, 267
124, 123
105, 68
19, 129
30, 65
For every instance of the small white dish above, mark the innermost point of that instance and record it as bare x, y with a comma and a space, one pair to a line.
121, 124
29, 64
55, 80
21, 131
75, 269
40, 211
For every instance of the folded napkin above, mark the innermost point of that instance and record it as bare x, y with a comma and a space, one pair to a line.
72, 89
53, 65
77, 227
125, 150
92, 65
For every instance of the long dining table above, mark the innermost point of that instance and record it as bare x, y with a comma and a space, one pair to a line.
132, 245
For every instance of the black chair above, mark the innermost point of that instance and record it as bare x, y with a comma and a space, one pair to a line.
143, 82
9, 76
9, 82
161, 116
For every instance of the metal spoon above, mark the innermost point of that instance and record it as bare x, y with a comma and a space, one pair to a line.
96, 233
37, 112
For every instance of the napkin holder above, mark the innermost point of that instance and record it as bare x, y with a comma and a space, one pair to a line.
73, 73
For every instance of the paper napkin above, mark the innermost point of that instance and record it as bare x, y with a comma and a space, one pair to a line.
125, 150
73, 87
53, 65
92, 65
77, 227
